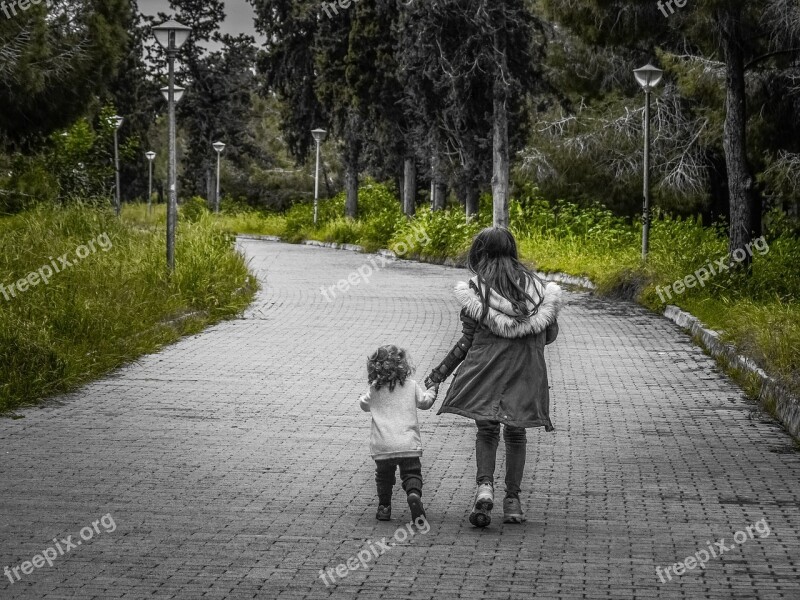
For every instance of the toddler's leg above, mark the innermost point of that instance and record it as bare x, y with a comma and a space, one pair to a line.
411, 474
385, 480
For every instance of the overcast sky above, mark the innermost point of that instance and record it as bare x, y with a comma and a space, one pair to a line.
238, 14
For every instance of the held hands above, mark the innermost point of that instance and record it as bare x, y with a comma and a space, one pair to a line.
433, 380
435, 390
430, 398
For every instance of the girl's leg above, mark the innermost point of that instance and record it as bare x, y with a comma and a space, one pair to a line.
486, 440
516, 445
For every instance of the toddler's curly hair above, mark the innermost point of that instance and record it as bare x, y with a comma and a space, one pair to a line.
387, 366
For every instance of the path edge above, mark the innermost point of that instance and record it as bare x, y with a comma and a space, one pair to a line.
772, 396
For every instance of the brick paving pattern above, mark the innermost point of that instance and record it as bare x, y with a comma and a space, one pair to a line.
235, 463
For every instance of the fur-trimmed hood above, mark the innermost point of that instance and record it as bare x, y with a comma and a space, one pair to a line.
502, 319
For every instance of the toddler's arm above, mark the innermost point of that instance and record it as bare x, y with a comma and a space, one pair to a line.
363, 400
456, 355
425, 399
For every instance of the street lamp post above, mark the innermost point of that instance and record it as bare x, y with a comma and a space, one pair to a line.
171, 36
648, 77
319, 137
219, 147
176, 93
150, 156
179, 91
117, 121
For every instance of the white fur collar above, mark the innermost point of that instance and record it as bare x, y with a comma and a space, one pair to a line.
500, 320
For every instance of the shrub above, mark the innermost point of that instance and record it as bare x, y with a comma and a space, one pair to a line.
194, 209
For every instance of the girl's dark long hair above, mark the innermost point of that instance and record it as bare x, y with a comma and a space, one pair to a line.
493, 257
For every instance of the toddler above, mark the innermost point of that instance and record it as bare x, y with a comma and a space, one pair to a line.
393, 400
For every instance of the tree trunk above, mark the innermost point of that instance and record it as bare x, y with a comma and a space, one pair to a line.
351, 189
410, 187
460, 191
470, 178
351, 160
500, 162
439, 187
440, 195
744, 200
325, 177
718, 188
500, 158
210, 196
473, 198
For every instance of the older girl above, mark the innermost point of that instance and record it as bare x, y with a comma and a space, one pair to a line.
508, 316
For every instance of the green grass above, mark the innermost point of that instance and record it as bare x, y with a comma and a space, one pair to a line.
759, 314
112, 306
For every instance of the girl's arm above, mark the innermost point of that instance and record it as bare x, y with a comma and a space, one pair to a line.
551, 333
457, 354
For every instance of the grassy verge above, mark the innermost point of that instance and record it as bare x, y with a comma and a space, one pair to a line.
112, 302
759, 314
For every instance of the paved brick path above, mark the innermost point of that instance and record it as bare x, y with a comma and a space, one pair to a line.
234, 464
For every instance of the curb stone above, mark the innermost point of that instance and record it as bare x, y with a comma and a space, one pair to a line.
255, 236
570, 280
787, 406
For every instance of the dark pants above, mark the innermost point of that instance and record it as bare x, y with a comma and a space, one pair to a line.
410, 475
486, 441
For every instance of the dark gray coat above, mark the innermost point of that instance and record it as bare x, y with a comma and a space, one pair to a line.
503, 376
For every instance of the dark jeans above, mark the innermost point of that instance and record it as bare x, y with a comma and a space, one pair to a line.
486, 441
410, 475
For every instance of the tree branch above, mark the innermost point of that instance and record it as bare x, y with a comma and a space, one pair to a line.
758, 59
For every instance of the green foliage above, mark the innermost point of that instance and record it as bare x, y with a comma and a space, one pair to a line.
194, 209
243, 219
75, 165
58, 58
341, 230
447, 233
300, 221
596, 155
111, 306
380, 215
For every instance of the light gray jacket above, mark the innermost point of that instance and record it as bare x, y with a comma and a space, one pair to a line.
395, 429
